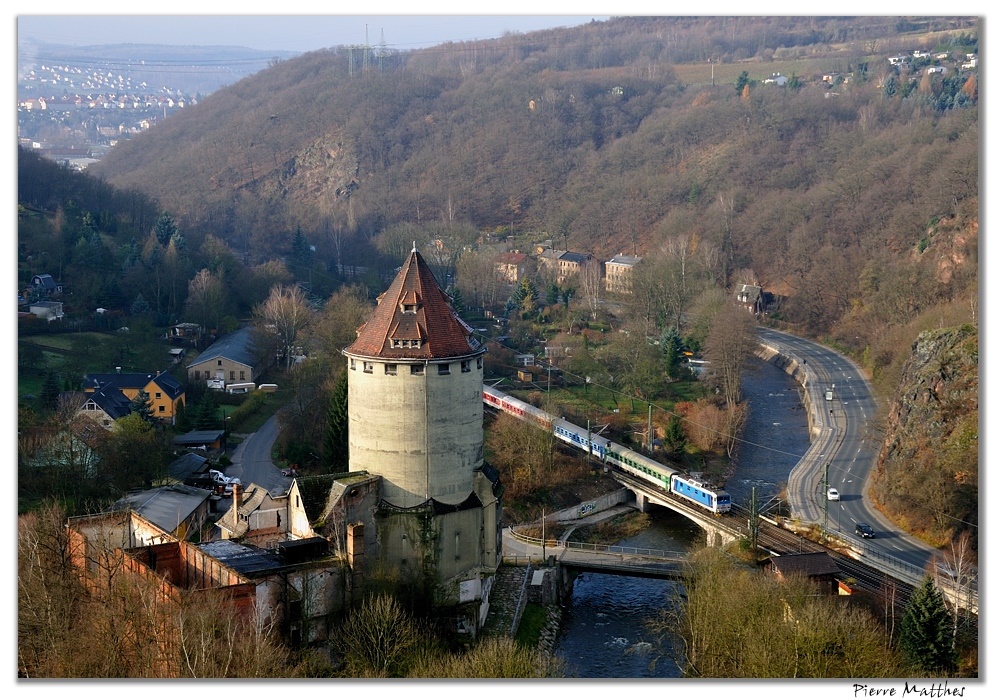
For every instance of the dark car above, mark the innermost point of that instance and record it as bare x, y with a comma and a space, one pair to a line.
864, 530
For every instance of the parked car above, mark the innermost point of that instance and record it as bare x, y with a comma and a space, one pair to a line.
865, 530
833, 494
221, 479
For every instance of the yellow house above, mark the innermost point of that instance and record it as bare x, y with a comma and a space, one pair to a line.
165, 393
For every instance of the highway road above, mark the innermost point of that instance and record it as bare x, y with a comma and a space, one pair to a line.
844, 445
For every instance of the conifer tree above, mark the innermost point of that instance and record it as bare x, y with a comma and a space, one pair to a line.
50, 392
335, 444
925, 632
142, 405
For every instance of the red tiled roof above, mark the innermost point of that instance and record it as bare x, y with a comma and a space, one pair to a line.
439, 330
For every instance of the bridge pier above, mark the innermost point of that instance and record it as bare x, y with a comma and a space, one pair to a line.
717, 537
641, 501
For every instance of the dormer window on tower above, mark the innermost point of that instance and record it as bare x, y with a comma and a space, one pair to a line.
409, 303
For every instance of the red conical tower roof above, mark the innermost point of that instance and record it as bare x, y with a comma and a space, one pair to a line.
414, 320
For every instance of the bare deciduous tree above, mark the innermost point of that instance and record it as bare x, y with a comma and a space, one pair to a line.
285, 313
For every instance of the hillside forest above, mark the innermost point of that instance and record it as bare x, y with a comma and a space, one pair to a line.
850, 194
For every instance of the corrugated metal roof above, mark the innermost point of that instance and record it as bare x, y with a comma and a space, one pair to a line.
235, 347
167, 506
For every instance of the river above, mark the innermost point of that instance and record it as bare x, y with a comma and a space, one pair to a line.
604, 632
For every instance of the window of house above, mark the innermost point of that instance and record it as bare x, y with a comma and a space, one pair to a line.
352, 364
369, 366
416, 369
390, 369
219, 363
161, 409
243, 375
444, 368
479, 363
159, 395
465, 366
232, 375
397, 343
197, 374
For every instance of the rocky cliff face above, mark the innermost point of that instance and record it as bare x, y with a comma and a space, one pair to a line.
927, 477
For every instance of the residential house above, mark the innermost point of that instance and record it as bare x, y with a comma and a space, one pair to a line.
184, 334
818, 567
750, 297
230, 359
165, 393
618, 273
48, 310
931, 70
103, 406
45, 285
776, 79
179, 510
899, 60
564, 263
511, 266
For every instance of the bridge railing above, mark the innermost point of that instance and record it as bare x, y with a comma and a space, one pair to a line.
619, 549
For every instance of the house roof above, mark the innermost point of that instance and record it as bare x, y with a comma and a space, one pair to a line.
236, 347
575, 257
185, 466
166, 383
44, 280
511, 258
110, 400
812, 564
415, 308
624, 260
198, 437
167, 506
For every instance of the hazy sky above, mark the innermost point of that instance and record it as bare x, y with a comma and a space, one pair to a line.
285, 32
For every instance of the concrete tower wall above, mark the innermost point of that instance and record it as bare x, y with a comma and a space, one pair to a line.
422, 432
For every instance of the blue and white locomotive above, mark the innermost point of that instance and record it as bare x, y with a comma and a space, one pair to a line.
629, 461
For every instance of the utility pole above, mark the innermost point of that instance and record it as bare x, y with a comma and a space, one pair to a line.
826, 498
543, 533
754, 523
649, 428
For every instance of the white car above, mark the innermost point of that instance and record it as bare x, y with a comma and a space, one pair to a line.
833, 494
221, 479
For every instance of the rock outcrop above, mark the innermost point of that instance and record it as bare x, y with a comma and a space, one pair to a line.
927, 476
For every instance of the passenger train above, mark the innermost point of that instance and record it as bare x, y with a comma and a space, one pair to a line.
629, 461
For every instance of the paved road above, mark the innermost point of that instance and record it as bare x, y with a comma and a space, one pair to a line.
844, 440
252, 460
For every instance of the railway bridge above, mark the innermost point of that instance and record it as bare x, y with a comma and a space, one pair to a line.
719, 530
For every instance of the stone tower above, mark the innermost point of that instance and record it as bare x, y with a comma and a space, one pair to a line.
415, 418
415, 392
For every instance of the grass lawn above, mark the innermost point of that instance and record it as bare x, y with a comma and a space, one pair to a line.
529, 631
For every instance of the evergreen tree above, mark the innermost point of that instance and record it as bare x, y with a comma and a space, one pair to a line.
925, 633
457, 302
141, 307
50, 392
203, 416
335, 444
164, 229
742, 81
141, 405
674, 437
670, 344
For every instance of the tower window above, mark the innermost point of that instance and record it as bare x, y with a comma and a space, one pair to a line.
465, 366
416, 369
352, 364
444, 368
479, 363
369, 367
390, 369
